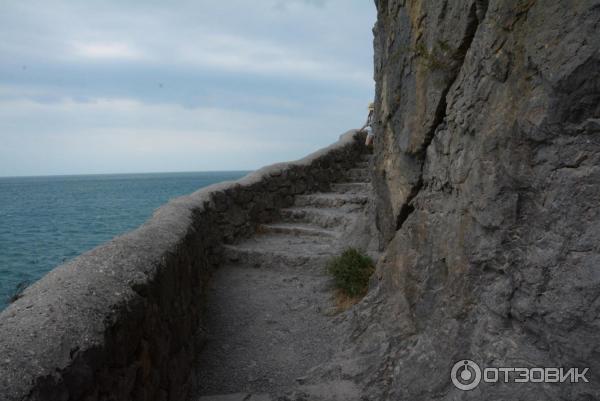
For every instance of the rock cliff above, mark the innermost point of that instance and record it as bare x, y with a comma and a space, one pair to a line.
487, 176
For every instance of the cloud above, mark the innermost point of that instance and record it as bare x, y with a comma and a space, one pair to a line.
125, 135
253, 56
283, 5
118, 51
237, 38
132, 86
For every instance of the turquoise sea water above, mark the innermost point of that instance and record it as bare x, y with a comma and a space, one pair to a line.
45, 221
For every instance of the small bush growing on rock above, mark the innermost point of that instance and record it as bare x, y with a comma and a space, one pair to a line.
351, 271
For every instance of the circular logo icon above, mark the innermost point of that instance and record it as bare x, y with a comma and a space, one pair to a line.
465, 375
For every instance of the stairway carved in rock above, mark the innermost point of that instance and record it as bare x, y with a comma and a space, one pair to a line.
270, 313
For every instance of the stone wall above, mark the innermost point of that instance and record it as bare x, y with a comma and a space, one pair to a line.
488, 183
121, 322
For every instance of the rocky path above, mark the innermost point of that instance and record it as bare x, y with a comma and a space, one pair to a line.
270, 316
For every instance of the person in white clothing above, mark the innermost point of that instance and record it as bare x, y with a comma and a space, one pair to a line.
368, 128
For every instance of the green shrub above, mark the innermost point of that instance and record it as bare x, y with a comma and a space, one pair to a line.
351, 271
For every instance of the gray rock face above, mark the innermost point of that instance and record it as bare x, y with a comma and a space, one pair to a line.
487, 176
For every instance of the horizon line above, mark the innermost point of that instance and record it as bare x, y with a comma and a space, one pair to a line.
127, 173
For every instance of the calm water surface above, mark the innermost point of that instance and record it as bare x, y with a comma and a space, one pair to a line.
45, 221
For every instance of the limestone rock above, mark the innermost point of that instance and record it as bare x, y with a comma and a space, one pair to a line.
487, 184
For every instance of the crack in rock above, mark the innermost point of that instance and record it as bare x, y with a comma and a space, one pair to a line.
477, 8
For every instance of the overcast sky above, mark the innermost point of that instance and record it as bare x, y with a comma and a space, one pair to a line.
109, 86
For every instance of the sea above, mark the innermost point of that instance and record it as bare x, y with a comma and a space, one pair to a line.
47, 221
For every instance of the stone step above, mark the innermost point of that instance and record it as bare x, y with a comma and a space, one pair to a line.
358, 175
280, 251
297, 229
351, 187
323, 217
330, 199
281, 259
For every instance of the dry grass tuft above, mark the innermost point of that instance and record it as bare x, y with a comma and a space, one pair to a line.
343, 301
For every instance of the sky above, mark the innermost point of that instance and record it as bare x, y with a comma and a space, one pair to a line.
123, 86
